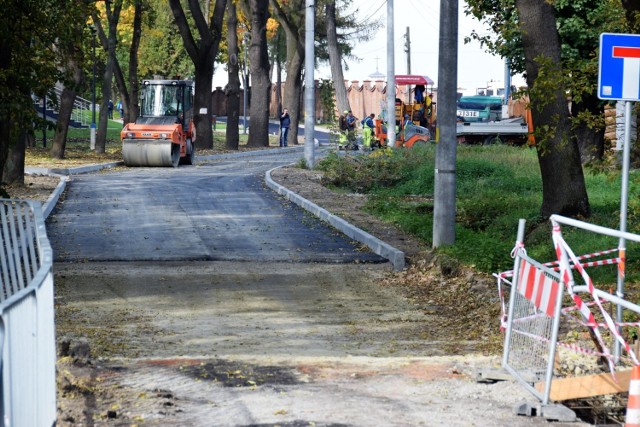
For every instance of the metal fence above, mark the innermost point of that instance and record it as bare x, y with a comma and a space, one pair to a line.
546, 298
27, 338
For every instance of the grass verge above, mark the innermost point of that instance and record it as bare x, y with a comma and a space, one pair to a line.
496, 186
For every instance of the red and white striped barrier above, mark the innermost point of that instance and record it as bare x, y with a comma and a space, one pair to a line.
554, 264
537, 287
566, 256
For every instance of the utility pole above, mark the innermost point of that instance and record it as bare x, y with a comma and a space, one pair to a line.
310, 87
391, 79
245, 82
444, 201
407, 49
92, 140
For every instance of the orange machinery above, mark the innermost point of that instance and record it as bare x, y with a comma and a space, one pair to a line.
164, 132
421, 116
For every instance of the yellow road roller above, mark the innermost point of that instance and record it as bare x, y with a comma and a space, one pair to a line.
164, 133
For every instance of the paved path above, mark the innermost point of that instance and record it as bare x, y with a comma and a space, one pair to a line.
215, 211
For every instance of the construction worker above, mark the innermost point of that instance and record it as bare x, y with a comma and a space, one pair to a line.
367, 131
352, 131
342, 135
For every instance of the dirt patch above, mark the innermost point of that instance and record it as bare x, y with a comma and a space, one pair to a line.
35, 187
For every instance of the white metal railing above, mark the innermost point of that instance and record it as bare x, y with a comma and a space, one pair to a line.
81, 112
27, 336
81, 107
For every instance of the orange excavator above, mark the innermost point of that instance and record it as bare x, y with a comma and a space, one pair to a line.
164, 133
412, 120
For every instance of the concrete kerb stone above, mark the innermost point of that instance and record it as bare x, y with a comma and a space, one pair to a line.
394, 255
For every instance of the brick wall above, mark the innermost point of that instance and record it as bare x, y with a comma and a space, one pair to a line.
364, 98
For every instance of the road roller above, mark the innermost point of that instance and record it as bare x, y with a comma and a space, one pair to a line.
164, 133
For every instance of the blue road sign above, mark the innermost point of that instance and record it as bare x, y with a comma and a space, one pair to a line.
619, 70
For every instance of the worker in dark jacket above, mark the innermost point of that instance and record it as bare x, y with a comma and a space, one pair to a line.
285, 122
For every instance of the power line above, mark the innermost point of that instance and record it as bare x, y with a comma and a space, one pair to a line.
376, 11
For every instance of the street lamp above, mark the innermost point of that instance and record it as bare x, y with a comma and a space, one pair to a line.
244, 72
93, 95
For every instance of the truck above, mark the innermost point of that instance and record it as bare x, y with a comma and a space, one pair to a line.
485, 120
164, 133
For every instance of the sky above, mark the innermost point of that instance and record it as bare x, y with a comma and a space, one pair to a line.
475, 67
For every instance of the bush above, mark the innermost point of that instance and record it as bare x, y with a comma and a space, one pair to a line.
362, 173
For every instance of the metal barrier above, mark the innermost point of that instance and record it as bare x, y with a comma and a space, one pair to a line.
537, 307
27, 337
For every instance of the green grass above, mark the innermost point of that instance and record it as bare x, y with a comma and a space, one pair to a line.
496, 186
82, 134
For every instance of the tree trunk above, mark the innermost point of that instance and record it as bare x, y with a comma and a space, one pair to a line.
64, 118
233, 86
590, 139
335, 60
73, 70
278, 75
6, 53
203, 54
563, 186
261, 83
293, 22
293, 87
109, 45
130, 103
14, 166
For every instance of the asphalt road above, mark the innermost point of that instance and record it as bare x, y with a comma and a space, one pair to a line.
274, 129
215, 211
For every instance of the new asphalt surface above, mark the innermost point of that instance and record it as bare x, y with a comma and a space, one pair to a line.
217, 210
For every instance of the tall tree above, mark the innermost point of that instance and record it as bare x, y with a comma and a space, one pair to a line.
259, 65
232, 90
108, 41
130, 98
66, 102
579, 23
563, 186
335, 58
73, 61
162, 50
291, 15
28, 66
203, 53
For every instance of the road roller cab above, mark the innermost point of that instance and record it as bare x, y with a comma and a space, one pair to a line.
164, 132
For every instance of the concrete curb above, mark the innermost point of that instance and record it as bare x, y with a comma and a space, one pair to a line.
395, 256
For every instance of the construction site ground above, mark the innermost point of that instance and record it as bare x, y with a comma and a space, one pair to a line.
352, 345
